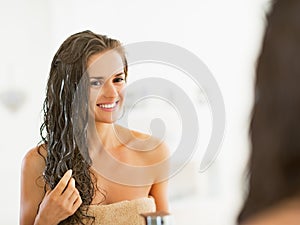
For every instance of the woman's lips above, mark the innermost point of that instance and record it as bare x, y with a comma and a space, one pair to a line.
108, 107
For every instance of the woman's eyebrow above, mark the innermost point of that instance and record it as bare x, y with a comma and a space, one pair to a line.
99, 78
102, 78
119, 74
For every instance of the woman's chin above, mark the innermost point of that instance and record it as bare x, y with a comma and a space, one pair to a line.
106, 120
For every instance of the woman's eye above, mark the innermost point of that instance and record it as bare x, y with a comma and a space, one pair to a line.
95, 83
119, 79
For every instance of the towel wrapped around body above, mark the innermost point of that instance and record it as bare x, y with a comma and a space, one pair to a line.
122, 213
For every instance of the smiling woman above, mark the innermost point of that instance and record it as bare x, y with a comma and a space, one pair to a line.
107, 82
62, 180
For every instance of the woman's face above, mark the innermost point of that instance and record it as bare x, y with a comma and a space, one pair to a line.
107, 82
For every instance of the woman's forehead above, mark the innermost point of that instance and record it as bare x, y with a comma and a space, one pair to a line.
105, 64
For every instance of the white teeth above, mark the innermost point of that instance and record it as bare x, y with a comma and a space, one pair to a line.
108, 106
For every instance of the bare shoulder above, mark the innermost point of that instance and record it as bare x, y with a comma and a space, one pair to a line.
153, 148
33, 163
36, 156
152, 143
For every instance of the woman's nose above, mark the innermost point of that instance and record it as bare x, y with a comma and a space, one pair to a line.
109, 90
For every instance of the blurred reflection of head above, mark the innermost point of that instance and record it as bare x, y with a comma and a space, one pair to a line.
274, 166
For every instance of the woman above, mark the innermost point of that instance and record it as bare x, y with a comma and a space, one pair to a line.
63, 180
274, 184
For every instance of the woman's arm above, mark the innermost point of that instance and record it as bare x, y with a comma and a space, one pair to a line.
159, 190
160, 194
32, 186
38, 207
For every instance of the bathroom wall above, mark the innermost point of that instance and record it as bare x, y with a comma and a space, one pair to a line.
26, 47
225, 35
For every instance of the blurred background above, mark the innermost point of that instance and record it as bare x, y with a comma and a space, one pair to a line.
225, 35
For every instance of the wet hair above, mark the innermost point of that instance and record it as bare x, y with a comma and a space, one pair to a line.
64, 149
274, 166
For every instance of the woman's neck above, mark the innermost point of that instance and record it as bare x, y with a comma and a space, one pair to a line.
106, 134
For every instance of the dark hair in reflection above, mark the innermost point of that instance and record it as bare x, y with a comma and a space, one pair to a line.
60, 114
274, 170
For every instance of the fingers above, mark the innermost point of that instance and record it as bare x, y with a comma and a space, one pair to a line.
63, 200
60, 187
77, 203
47, 192
70, 189
74, 196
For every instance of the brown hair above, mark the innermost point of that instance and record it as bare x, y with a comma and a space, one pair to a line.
274, 166
57, 131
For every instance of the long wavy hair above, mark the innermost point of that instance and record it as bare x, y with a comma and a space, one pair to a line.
64, 149
274, 166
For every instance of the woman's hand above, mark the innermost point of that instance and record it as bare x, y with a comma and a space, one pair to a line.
59, 203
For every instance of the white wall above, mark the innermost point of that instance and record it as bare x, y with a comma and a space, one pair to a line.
24, 63
226, 35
